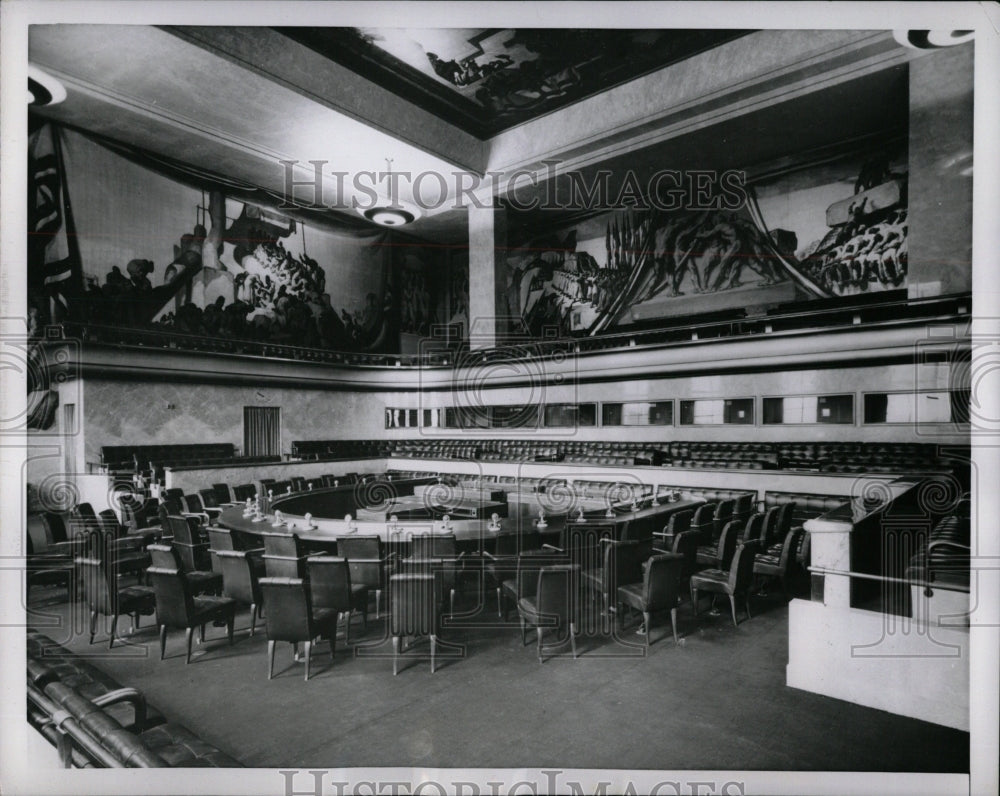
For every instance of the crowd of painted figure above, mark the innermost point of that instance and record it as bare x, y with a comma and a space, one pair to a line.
279, 298
861, 255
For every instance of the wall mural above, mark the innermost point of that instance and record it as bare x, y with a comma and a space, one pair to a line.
433, 289
632, 267
488, 79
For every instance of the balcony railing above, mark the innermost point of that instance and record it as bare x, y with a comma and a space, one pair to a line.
824, 316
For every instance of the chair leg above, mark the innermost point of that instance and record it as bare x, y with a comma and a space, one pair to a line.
434, 642
453, 602
646, 625
333, 647
114, 629
395, 655
163, 640
378, 599
364, 617
93, 625
572, 638
673, 622
347, 626
694, 600
524, 636
732, 607
253, 619
231, 625
538, 630
201, 635
270, 658
308, 646
188, 632
499, 603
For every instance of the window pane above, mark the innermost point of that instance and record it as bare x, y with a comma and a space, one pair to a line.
514, 417
570, 415
739, 411
611, 414
716, 412
835, 409
774, 410
644, 413
876, 407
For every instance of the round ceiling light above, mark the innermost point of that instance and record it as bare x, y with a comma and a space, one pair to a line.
43, 89
391, 216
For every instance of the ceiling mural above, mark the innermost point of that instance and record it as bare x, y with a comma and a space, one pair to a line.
488, 79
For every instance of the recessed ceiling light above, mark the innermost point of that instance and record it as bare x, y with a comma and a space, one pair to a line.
43, 89
389, 216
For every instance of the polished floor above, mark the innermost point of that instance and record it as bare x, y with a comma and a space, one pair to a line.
717, 700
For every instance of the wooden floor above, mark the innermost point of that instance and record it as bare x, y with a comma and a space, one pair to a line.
715, 701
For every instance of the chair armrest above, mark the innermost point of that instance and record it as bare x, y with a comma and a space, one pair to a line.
254, 551
201, 515
947, 543
489, 555
196, 545
131, 695
663, 534
132, 543
658, 550
547, 546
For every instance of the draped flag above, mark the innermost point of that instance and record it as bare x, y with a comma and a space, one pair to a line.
54, 268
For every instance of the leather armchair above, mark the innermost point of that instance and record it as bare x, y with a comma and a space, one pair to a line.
414, 610
554, 604
330, 587
717, 555
659, 589
738, 579
105, 597
290, 616
778, 560
368, 563
176, 606
501, 564
241, 582
167, 556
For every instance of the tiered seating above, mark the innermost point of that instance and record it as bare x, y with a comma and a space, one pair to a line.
946, 558
105, 724
121, 458
321, 449
836, 457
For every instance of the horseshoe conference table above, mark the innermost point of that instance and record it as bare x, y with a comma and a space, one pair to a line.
323, 532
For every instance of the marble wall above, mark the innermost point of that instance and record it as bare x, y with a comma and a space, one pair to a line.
940, 189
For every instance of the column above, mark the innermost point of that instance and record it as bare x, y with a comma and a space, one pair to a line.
487, 248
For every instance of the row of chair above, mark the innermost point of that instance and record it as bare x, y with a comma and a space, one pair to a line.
93, 721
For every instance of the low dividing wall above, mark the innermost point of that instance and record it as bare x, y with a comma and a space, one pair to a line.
901, 665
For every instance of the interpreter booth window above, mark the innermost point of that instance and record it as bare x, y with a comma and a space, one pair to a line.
805, 409
401, 418
514, 416
924, 407
638, 413
433, 418
570, 415
717, 412
467, 417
